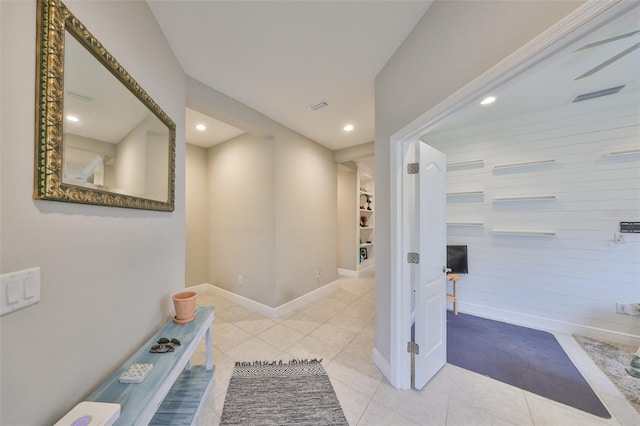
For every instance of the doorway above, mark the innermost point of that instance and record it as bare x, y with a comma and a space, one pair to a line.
530, 58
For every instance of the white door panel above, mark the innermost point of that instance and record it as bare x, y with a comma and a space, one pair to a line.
430, 288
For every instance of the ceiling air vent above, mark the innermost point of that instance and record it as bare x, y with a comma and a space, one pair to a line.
598, 93
318, 106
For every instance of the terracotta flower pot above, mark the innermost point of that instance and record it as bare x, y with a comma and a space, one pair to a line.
185, 305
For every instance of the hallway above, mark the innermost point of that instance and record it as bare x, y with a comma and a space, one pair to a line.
339, 328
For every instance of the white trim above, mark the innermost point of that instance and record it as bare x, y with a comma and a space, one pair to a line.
547, 324
263, 309
364, 271
347, 272
305, 298
531, 56
381, 363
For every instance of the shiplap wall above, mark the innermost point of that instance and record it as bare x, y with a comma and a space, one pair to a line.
571, 281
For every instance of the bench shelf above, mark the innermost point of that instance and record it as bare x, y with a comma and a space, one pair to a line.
173, 392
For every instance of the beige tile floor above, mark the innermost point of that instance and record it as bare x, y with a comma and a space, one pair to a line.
339, 328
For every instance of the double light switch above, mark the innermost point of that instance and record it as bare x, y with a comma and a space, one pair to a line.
19, 290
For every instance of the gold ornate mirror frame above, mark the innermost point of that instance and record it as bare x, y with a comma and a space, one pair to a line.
52, 20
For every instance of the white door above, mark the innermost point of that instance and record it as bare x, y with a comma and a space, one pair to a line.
430, 280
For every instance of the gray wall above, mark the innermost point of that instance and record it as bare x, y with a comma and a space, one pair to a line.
107, 273
454, 42
305, 211
347, 219
197, 210
241, 217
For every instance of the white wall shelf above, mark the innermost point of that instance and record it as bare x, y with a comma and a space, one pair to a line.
501, 167
624, 153
465, 224
544, 197
473, 164
365, 235
524, 232
465, 194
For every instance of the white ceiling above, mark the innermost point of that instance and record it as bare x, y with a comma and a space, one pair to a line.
554, 84
279, 57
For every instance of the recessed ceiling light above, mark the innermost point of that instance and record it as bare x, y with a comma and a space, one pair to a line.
488, 100
72, 118
201, 127
348, 128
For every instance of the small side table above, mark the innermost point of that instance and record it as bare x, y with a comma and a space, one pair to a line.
453, 297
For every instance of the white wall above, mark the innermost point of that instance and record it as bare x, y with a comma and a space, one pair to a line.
572, 281
107, 273
197, 216
454, 42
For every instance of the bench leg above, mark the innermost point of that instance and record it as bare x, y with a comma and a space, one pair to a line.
209, 349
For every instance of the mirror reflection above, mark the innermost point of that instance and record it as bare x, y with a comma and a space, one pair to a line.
100, 138
111, 140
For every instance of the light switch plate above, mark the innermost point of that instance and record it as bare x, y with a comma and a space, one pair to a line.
19, 290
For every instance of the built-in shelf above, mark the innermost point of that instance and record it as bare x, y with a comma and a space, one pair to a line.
526, 164
366, 211
627, 152
366, 227
366, 245
545, 197
465, 194
465, 224
366, 193
473, 164
524, 232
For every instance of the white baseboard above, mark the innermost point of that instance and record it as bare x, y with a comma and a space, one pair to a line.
382, 364
347, 272
263, 309
305, 298
369, 269
548, 324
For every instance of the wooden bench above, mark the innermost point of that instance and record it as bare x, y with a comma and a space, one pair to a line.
173, 393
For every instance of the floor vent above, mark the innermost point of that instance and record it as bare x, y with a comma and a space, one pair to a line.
598, 94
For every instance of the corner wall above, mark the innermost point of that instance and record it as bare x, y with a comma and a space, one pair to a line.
299, 216
454, 42
197, 221
107, 273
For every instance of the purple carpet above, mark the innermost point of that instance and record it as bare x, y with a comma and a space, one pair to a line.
529, 359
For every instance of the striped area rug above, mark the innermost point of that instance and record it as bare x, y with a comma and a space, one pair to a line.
297, 392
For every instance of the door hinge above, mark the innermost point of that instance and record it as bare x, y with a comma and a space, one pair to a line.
413, 257
413, 168
413, 348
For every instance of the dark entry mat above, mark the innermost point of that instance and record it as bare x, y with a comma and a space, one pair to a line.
531, 360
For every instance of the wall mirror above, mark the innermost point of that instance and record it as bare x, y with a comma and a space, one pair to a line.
100, 138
